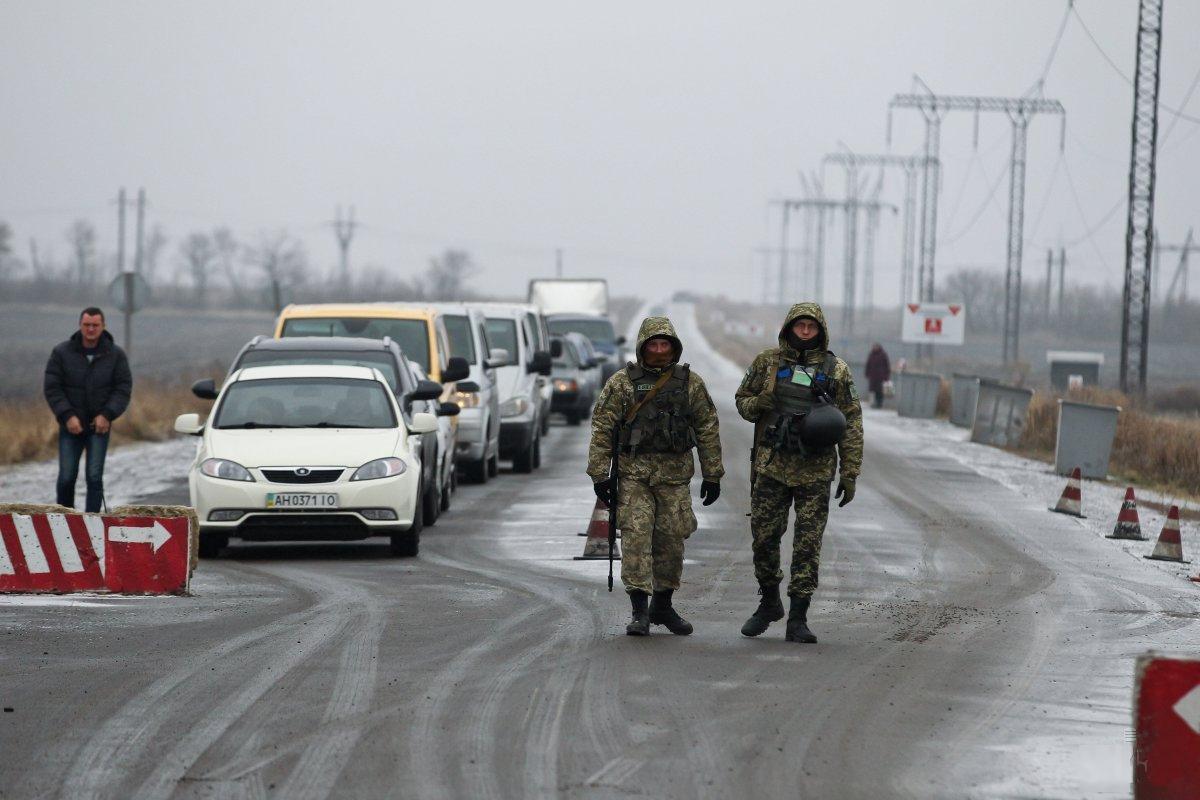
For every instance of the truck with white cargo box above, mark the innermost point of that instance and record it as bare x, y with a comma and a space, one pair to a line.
570, 295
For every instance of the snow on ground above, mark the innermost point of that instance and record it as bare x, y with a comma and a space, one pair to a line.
130, 471
1036, 480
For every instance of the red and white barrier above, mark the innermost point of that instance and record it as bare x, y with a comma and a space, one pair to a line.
1167, 713
87, 552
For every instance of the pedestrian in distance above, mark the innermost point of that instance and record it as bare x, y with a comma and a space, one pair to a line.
879, 372
88, 385
806, 414
653, 413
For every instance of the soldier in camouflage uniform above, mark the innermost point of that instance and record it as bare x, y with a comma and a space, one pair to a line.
660, 410
778, 387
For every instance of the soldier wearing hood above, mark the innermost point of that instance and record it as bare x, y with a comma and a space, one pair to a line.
659, 410
790, 393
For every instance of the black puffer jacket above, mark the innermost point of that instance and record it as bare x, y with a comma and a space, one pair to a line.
75, 388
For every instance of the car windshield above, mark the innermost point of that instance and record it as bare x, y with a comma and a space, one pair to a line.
382, 361
305, 403
503, 333
598, 330
458, 328
411, 334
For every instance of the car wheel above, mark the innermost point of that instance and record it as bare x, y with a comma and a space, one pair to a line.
523, 461
477, 471
431, 502
406, 544
537, 453
493, 468
445, 499
211, 546
545, 423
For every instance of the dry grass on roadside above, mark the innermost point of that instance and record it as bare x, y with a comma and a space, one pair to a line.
1162, 452
28, 431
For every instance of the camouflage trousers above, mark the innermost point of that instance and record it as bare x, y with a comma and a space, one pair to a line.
770, 502
654, 519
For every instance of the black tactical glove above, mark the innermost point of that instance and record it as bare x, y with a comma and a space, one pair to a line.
845, 490
604, 490
710, 491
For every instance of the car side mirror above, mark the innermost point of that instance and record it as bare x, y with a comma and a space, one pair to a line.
541, 363
594, 362
620, 342
426, 390
205, 389
448, 409
556, 348
189, 424
467, 387
498, 357
456, 369
423, 422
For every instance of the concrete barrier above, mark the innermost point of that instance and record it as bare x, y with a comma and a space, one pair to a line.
1000, 414
917, 394
58, 552
1085, 437
964, 391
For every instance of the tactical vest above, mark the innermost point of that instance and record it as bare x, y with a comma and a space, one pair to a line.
664, 424
780, 426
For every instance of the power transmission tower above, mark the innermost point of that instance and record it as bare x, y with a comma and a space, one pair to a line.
868, 288
910, 165
343, 229
1180, 280
1020, 111
1139, 225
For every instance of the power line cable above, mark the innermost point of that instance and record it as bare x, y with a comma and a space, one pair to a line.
989, 200
1090, 236
1040, 83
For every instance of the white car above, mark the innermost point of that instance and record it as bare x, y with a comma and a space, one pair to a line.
306, 452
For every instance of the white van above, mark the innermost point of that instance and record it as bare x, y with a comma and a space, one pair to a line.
524, 384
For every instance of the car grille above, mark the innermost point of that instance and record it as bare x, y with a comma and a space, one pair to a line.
313, 476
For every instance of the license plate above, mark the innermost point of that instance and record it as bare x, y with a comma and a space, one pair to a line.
301, 501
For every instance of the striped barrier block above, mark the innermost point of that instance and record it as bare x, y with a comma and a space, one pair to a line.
59, 553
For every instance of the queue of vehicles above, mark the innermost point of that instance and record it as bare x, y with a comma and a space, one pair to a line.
357, 420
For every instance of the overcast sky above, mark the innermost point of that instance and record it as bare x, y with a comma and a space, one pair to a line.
643, 138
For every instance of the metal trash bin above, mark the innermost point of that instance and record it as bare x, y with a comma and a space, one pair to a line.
1085, 438
964, 391
917, 394
1000, 414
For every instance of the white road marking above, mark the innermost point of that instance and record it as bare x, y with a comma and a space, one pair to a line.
35, 559
68, 554
6, 567
95, 529
155, 535
1188, 708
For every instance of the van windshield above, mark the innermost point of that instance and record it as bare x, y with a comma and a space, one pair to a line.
411, 334
382, 361
305, 403
598, 330
503, 333
458, 328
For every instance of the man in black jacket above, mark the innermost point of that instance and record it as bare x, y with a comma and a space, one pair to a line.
87, 384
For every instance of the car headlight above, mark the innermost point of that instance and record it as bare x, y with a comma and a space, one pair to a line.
379, 468
561, 385
226, 470
514, 407
466, 399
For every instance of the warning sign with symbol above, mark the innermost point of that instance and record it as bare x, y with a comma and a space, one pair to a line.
934, 323
1167, 712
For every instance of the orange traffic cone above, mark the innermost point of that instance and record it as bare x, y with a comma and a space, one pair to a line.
1128, 526
1170, 546
596, 546
1071, 501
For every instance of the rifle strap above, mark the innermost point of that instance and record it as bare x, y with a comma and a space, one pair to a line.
650, 395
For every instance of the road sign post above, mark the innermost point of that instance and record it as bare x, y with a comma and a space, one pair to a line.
130, 293
1166, 763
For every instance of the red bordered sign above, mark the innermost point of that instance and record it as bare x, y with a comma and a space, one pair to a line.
1167, 758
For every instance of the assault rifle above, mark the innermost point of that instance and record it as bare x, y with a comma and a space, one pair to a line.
614, 471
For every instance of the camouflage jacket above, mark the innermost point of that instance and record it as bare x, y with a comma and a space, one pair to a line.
794, 469
616, 398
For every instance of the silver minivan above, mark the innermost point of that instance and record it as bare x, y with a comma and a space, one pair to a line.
478, 394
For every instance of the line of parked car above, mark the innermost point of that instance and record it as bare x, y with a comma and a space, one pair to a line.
358, 420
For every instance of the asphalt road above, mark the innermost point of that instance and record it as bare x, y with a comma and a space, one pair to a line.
971, 645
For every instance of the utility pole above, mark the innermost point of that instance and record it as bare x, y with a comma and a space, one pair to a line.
121, 231
343, 229
783, 253
1062, 280
1020, 111
558, 262
1139, 224
139, 241
868, 289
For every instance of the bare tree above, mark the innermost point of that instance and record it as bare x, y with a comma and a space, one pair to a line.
227, 248
282, 259
198, 254
82, 238
447, 275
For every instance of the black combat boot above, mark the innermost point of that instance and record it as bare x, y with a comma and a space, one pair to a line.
770, 609
661, 613
797, 624
640, 624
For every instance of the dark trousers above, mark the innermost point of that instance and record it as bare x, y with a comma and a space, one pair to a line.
70, 448
878, 397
